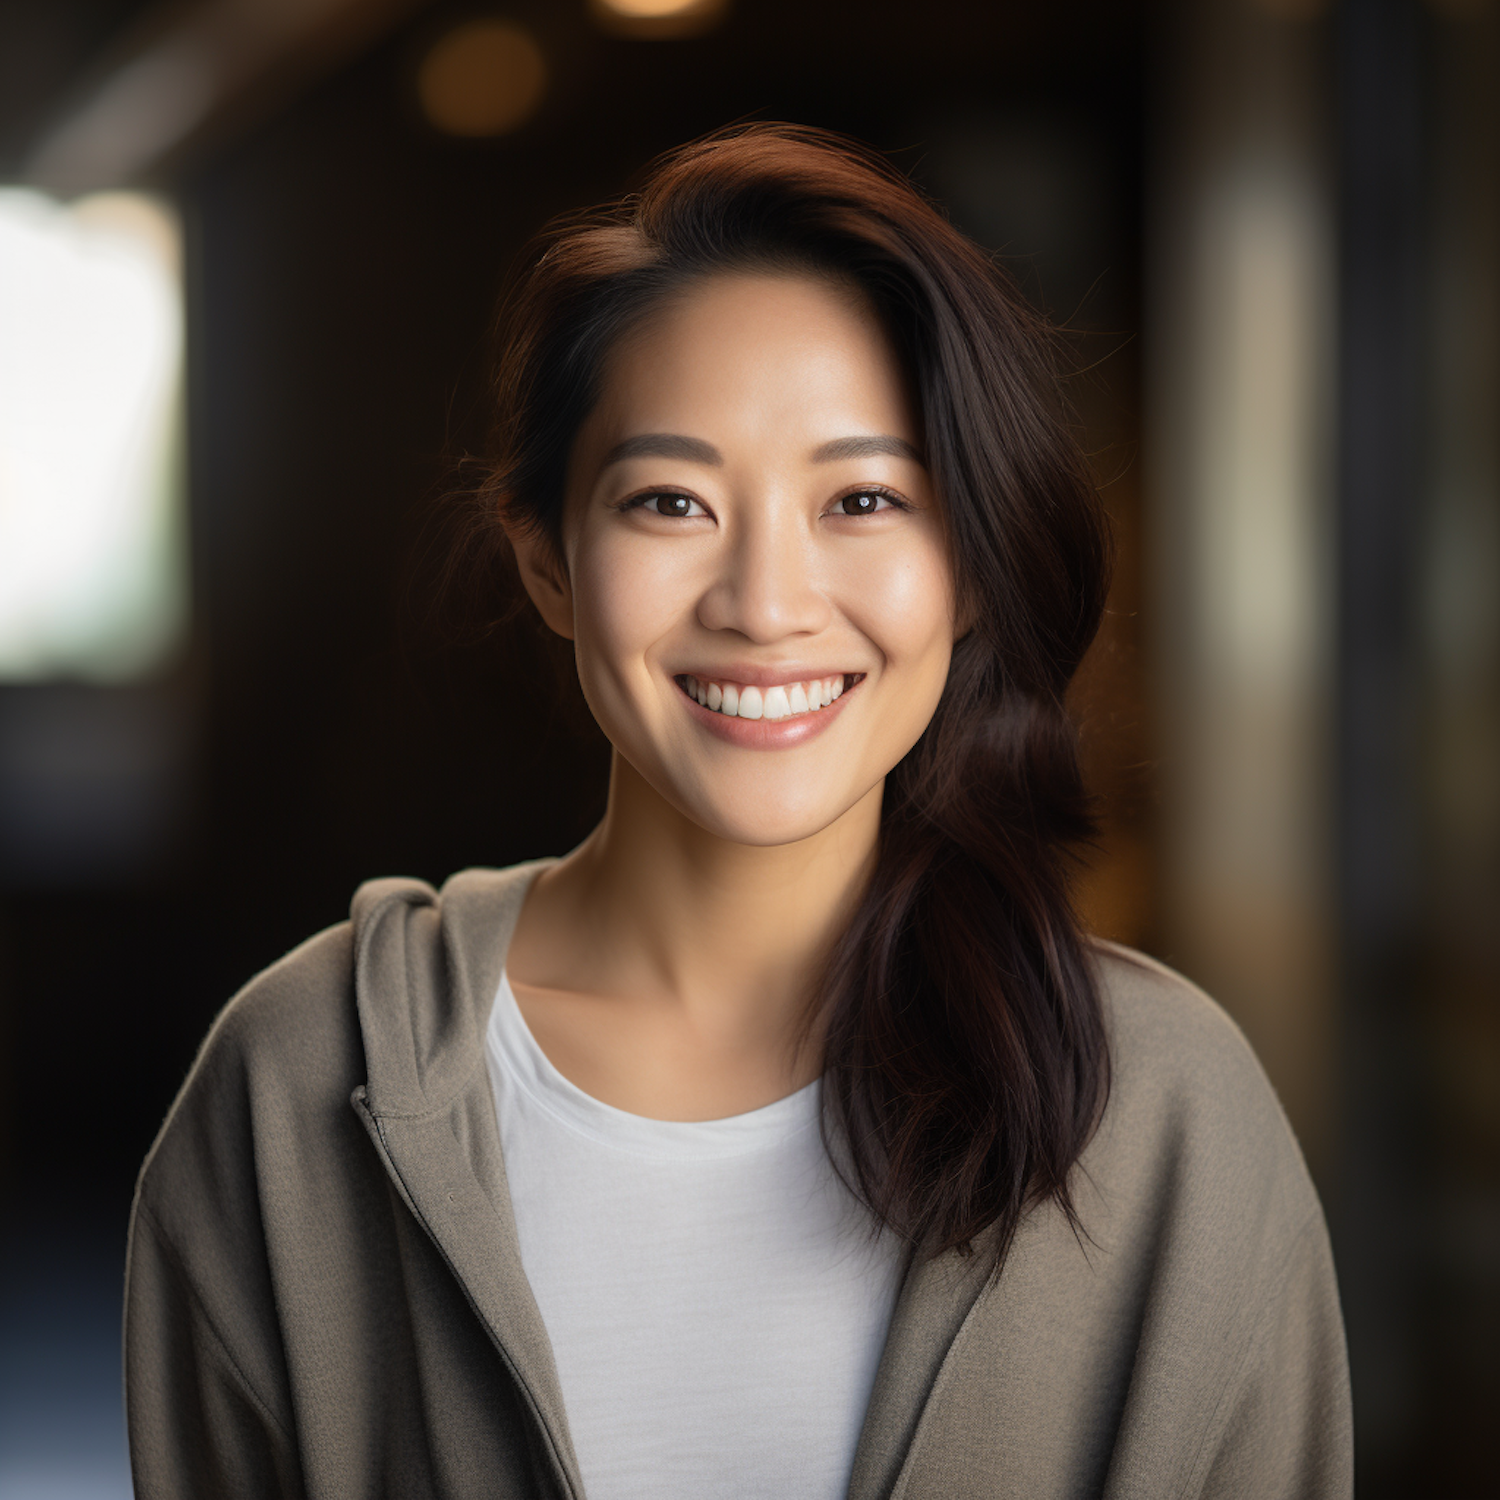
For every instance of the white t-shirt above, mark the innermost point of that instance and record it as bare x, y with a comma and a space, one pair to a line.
715, 1299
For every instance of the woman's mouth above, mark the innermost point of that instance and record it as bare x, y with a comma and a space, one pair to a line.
783, 700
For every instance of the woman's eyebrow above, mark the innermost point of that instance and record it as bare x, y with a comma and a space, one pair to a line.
664, 445
873, 446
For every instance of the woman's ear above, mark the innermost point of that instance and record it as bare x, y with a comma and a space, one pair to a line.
544, 578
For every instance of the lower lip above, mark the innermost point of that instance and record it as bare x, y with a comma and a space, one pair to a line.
767, 734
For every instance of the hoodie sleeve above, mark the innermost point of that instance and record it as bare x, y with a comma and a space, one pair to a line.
197, 1424
1284, 1428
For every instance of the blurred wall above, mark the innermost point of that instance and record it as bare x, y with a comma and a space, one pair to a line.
1293, 713
1323, 327
1418, 1208
1241, 461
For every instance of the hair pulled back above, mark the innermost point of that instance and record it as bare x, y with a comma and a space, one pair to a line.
965, 1054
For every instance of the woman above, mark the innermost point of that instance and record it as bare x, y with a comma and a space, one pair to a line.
788, 1137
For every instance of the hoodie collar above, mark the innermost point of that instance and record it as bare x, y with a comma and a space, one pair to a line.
426, 970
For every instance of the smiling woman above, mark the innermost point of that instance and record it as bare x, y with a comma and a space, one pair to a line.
788, 1137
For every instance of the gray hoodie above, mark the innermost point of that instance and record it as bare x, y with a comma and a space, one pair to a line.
325, 1296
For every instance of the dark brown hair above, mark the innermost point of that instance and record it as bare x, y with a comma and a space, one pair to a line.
965, 1061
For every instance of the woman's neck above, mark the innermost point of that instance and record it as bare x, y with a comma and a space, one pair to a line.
664, 966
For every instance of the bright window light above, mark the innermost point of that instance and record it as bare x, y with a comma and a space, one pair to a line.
92, 556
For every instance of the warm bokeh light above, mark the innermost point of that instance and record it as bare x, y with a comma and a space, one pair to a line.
92, 578
483, 78
658, 18
652, 7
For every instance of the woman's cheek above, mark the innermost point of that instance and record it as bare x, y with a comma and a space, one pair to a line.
902, 601
629, 593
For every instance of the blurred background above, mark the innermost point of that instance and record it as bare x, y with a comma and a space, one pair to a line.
249, 253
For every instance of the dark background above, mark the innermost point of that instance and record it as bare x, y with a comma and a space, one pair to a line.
324, 724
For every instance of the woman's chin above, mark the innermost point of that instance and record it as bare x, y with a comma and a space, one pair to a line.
760, 835
765, 821
762, 801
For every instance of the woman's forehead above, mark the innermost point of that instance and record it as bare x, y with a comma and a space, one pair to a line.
736, 352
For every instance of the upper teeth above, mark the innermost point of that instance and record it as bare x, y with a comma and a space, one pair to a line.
784, 701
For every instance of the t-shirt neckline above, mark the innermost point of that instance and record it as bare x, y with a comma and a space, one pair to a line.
520, 1056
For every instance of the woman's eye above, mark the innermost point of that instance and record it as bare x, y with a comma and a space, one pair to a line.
678, 506
864, 503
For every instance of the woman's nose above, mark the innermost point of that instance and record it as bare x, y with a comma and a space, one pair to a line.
767, 586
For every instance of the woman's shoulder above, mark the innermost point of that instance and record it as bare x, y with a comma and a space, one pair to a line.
285, 1048
1182, 1334
1158, 1016
295, 1003
1163, 1027
406, 946
1190, 1108
403, 983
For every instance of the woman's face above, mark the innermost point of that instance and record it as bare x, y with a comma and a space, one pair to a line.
757, 581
